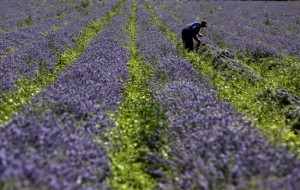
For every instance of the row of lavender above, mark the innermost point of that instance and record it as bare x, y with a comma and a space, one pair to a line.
54, 142
41, 53
210, 145
254, 29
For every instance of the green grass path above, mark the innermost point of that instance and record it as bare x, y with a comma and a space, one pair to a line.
136, 120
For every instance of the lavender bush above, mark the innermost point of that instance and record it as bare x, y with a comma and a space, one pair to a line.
212, 147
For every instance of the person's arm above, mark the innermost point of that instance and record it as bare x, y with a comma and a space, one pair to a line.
197, 39
196, 29
200, 35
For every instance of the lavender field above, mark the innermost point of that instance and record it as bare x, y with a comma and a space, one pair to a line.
101, 94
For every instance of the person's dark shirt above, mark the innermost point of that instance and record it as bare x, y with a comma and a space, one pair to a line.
194, 28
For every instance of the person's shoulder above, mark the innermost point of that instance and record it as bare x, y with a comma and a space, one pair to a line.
195, 23
198, 23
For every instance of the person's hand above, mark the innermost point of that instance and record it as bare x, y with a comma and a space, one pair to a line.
200, 35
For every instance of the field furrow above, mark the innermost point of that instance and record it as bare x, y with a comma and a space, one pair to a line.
137, 119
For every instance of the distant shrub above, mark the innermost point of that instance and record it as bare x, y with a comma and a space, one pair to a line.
85, 4
28, 21
213, 10
267, 22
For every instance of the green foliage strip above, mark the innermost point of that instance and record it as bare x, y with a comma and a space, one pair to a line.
282, 72
136, 120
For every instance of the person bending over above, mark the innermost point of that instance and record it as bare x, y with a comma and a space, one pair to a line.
192, 31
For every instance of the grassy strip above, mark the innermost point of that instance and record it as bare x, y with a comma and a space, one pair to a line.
11, 103
136, 120
240, 93
283, 72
